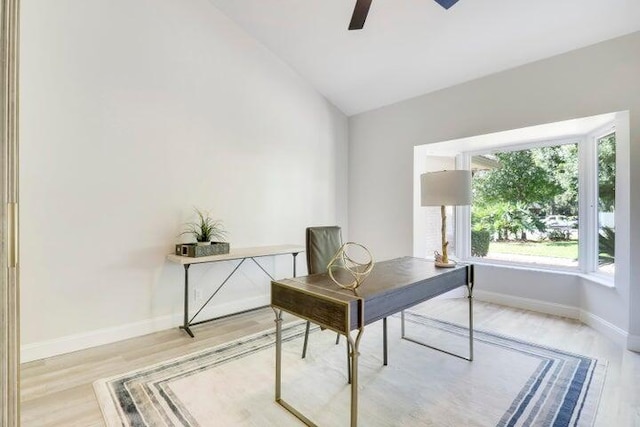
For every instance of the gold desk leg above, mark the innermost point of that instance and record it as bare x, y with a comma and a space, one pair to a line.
278, 321
354, 345
470, 288
278, 385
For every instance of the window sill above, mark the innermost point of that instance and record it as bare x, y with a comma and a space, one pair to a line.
597, 278
524, 266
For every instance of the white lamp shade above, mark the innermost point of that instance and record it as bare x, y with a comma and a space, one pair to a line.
446, 188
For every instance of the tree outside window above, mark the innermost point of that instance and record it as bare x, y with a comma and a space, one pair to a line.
527, 203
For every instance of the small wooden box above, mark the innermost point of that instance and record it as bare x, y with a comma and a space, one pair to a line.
194, 250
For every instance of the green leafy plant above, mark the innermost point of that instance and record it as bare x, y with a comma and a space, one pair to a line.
505, 219
556, 235
480, 241
607, 246
205, 229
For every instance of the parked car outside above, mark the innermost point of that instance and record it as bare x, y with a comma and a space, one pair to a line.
557, 221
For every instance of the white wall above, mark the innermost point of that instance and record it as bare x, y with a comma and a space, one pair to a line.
598, 79
132, 113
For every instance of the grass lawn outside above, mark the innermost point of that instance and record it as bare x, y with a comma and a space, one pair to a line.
561, 249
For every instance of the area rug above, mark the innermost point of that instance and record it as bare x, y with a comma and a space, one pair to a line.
509, 383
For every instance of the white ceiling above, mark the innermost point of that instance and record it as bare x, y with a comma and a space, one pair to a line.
411, 47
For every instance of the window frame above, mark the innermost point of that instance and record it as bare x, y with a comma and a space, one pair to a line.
593, 266
587, 204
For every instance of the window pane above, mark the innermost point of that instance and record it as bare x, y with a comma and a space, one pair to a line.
606, 203
525, 206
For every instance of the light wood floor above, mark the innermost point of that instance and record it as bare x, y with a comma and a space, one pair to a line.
58, 391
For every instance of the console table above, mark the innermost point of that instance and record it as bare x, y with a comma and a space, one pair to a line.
391, 287
241, 254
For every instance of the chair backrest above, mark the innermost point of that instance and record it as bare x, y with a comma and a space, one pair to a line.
322, 245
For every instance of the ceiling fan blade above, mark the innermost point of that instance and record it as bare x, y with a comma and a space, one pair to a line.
446, 3
360, 14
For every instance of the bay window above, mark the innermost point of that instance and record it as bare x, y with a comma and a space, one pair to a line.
548, 204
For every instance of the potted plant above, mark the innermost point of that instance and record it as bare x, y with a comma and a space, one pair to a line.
205, 230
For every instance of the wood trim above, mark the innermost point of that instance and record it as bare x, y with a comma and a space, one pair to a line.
9, 229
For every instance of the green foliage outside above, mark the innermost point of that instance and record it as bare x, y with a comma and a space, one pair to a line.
520, 179
607, 196
607, 246
480, 240
557, 235
607, 173
505, 219
510, 200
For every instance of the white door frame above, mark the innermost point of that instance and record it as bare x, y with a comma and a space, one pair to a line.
9, 238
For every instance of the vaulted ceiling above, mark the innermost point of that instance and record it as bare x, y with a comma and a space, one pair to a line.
411, 47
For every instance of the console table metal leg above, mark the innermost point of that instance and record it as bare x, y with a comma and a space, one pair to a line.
185, 324
295, 254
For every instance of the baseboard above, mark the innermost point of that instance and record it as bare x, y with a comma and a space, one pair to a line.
614, 333
528, 304
608, 329
633, 343
81, 341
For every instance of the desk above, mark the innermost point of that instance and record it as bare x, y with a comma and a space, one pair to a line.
391, 287
234, 254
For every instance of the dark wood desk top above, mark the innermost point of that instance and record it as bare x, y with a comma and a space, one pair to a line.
392, 286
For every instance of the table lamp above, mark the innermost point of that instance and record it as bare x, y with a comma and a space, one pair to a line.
445, 188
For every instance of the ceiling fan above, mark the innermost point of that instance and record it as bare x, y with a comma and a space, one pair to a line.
361, 11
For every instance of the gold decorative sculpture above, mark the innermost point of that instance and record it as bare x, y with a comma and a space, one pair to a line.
357, 270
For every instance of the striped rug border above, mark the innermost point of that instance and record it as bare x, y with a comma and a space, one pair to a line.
133, 397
